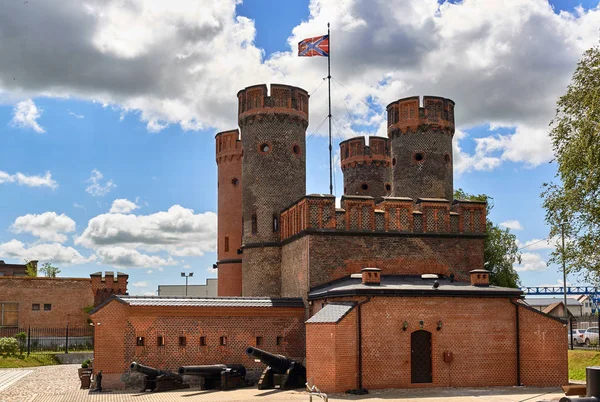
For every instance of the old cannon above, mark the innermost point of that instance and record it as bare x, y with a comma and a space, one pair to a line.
222, 376
156, 380
281, 373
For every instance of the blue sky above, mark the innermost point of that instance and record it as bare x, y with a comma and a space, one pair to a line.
125, 130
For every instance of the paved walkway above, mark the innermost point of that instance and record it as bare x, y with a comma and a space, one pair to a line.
9, 377
60, 384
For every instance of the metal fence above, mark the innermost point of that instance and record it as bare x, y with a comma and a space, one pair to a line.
585, 332
52, 340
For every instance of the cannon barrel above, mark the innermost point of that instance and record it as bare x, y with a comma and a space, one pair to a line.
212, 370
278, 363
153, 372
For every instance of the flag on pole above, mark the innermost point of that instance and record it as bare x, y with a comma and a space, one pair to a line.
317, 46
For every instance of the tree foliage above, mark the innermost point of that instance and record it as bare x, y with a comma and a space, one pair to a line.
31, 269
500, 250
572, 202
49, 270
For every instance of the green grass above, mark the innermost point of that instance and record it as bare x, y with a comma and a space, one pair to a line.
579, 360
33, 360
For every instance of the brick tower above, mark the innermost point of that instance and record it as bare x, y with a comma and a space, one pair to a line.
273, 131
421, 142
366, 168
229, 162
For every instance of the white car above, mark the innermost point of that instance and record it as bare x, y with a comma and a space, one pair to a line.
578, 336
591, 336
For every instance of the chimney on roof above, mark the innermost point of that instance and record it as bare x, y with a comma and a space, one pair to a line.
371, 276
480, 277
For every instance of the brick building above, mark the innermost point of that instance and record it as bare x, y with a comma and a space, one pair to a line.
15, 269
431, 319
54, 302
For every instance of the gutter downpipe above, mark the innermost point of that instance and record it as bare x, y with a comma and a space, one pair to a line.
359, 341
518, 339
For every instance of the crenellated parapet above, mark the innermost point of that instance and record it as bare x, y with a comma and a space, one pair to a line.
407, 114
392, 215
228, 146
354, 152
284, 102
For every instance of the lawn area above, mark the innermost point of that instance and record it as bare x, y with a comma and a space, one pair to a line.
33, 360
579, 360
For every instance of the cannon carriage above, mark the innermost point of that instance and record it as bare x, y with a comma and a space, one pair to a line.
281, 372
156, 380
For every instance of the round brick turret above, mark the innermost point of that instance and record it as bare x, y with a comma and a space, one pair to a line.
274, 170
421, 145
366, 168
229, 226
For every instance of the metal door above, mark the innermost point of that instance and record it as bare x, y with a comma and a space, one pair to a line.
420, 357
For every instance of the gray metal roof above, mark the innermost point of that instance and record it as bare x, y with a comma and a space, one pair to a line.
546, 301
408, 285
210, 301
331, 313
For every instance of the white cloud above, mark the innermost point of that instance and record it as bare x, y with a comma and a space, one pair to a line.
77, 116
531, 262
512, 225
122, 206
25, 115
53, 252
97, 188
30, 181
141, 284
149, 272
149, 294
76, 205
178, 231
130, 258
48, 226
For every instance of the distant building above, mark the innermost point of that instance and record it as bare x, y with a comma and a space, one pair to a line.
207, 290
550, 305
15, 269
587, 305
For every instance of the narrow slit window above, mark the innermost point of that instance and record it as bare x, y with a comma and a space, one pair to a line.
202, 341
254, 224
226, 243
223, 341
279, 340
139, 341
160, 340
182, 341
275, 224
259, 341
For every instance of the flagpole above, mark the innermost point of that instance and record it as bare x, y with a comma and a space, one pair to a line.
329, 79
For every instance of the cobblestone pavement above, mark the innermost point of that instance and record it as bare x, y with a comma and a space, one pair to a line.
60, 384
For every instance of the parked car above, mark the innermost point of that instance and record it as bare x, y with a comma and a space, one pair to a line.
591, 336
577, 335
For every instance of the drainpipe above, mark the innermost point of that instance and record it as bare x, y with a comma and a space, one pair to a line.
518, 339
359, 341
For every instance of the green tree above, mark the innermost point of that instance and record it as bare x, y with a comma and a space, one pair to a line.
31, 268
49, 271
500, 248
572, 202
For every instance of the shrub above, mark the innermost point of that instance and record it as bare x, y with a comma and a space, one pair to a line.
21, 337
8, 347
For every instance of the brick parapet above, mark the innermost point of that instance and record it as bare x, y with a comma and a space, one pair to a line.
393, 214
255, 101
406, 114
103, 287
354, 152
228, 146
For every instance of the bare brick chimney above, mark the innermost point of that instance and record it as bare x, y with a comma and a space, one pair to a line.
371, 276
480, 277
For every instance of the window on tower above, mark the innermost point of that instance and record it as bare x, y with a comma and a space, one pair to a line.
254, 224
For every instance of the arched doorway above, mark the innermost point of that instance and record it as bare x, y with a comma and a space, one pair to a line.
420, 357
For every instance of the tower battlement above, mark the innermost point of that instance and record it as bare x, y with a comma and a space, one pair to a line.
257, 100
228, 146
407, 114
355, 152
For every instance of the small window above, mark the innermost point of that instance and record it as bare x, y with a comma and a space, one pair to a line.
160, 340
182, 341
235, 182
202, 341
447, 158
275, 224
388, 187
223, 341
254, 224
264, 148
279, 340
259, 341
394, 162
226, 243
47, 307
296, 150
364, 186
419, 157
139, 341
35, 307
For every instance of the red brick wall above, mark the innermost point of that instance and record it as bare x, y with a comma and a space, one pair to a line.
543, 349
104, 287
331, 354
393, 254
67, 296
120, 327
294, 268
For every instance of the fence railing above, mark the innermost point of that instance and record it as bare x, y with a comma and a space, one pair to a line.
52, 340
585, 332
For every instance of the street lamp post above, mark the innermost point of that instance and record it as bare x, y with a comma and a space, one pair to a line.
186, 276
